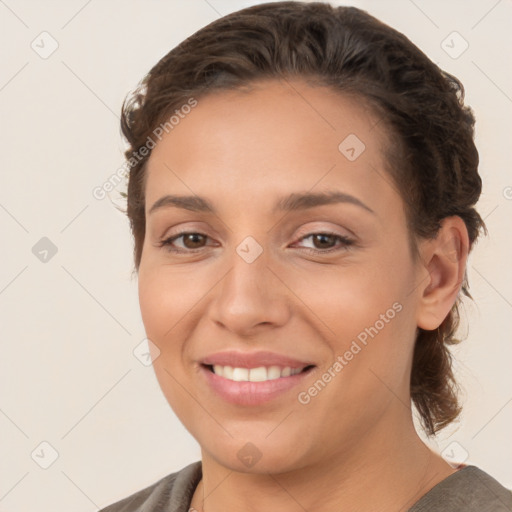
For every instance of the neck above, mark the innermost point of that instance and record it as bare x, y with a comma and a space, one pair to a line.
383, 471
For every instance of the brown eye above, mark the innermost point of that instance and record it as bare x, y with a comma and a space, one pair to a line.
324, 241
190, 242
193, 240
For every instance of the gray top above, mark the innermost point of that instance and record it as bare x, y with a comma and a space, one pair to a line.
468, 490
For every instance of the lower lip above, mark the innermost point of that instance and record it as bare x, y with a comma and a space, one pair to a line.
251, 393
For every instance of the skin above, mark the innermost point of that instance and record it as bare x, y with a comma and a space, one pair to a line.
353, 446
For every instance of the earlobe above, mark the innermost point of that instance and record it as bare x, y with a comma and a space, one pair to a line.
445, 260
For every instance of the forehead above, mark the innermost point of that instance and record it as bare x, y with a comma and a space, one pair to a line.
250, 145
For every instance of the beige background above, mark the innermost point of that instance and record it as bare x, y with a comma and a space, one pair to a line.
69, 325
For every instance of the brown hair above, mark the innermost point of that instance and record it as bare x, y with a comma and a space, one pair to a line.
432, 157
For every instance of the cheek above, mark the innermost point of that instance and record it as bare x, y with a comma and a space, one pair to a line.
164, 299
367, 313
153, 302
350, 298
163, 305
171, 304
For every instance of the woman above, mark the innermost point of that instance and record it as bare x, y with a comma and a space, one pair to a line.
301, 194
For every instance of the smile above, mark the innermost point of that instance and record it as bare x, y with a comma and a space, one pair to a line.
252, 379
259, 374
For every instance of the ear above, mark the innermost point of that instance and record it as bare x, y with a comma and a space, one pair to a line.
444, 257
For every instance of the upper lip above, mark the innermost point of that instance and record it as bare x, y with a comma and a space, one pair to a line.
253, 360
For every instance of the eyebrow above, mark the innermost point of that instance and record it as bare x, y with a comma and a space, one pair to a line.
293, 202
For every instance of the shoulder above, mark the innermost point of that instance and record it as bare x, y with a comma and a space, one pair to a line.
470, 490
172, 492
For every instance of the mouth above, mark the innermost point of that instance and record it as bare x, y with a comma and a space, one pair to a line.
258, 374
251, 379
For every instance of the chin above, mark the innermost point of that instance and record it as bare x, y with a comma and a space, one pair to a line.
256, 456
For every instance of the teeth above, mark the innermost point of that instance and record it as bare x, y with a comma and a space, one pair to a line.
274, 372
227, 372
260, 374
240, 374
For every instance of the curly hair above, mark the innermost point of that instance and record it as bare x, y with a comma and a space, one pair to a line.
432, 158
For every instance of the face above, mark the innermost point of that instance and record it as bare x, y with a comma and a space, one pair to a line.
282, 321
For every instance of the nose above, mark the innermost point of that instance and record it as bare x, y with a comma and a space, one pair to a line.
250, 297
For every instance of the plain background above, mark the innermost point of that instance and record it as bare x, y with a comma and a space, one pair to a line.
70, 324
